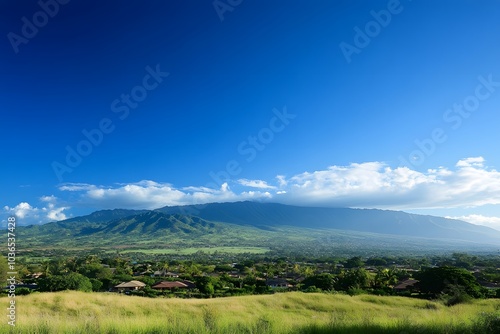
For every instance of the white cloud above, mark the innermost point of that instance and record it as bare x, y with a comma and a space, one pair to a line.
76, 186
55, 214
470, 183
28, 214
21, 210
471, 162
255, 184
48, 199
148, 194
281, 180
370, 185
493, 222
376, 185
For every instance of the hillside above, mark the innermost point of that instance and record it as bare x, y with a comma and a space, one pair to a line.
264, 215
78, 312
280, 228
132, 227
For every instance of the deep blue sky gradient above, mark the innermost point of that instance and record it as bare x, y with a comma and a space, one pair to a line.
225, 79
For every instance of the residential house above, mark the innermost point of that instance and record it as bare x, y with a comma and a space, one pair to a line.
166, 285
278, 283
130, 286
405, 285
165, 273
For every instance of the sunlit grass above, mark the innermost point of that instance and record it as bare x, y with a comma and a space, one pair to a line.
77, 312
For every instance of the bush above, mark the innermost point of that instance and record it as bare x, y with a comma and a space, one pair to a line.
456, 299
487, 323
22, 291
356, 292
96, 284
382, 292
313, 289
71, 281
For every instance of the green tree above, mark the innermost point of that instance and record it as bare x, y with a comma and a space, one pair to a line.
376, 261
352, 279
445, 279
354, 262
96, 284
95, 270
71, 281
324, 282
206, 285
386, 277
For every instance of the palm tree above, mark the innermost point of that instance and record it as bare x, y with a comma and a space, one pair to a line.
386, 277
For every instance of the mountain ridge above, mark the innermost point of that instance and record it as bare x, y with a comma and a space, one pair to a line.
362, 220
247, 222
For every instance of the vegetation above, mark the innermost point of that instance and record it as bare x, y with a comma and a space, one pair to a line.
78, 312
281, 230
206, 250
323, 294
442, 279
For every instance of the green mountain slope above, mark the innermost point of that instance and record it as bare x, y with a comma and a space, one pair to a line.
277, 227
266, 215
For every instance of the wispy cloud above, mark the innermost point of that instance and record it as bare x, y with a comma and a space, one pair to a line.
493, 222
255, 184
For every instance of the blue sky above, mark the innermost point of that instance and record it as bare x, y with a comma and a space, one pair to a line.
385, 104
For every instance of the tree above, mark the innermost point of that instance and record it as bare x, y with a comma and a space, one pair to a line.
376, 261
324, 281
307, 271
447, 279
206, 285
354, 262
95, 270
352, 279
71, 281
386, 277
96, 284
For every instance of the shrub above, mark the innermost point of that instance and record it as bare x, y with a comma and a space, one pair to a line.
96, 284
487, 323
22, 291
355, 292
457, 299
313, 288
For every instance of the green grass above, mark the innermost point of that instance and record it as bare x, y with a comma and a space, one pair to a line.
208, 250
77, 312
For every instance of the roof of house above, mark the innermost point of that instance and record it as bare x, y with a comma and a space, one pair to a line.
169, 285
276, 281
131, 284
405, 284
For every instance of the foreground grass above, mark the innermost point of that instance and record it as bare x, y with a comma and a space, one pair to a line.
77, 312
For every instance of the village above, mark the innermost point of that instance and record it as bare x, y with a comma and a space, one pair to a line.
463, 274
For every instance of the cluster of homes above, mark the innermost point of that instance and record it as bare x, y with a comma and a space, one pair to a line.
161, 286
184, 284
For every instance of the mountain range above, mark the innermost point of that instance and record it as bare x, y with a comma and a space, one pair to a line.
254, 224
363, 220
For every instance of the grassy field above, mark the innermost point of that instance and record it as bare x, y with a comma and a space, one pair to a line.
208, 250
77, 312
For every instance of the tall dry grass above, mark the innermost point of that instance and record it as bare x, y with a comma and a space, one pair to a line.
74, 312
